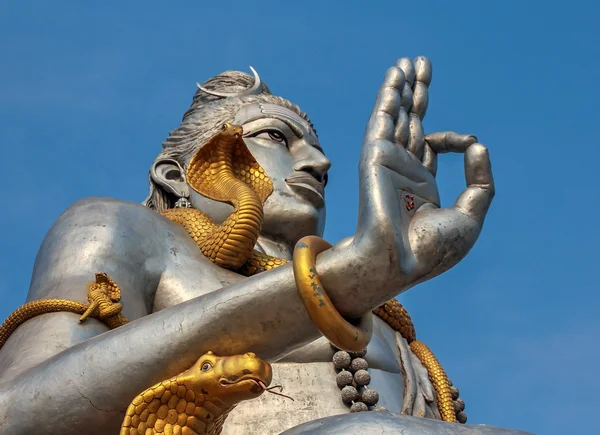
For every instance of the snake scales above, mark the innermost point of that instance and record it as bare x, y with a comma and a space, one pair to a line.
224, 170
198, 400
103, 296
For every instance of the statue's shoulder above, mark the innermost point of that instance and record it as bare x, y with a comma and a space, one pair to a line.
122, 227
97, 234
109, 213
107, 219
128, 241
93, 205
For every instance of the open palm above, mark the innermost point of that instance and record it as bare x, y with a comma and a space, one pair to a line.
400, 219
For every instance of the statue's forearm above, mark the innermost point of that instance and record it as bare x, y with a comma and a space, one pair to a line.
99, 377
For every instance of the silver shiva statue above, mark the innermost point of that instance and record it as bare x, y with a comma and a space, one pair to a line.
62, 376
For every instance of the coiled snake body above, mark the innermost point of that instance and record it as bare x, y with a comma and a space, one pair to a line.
224, 170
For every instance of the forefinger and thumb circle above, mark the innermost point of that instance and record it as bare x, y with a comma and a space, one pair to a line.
449, 142
475, 200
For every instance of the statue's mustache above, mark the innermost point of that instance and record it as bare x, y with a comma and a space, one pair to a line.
302, 177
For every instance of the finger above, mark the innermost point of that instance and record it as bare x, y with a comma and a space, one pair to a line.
382, 122
423, 73
402, 130
416, 141
430, 159
423, 379
420, 406
449, 141
475, 200
418, 77
410, 381
406, 65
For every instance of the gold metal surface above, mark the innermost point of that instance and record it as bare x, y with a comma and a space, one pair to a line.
103, 294
224, 170
321, 310
438, 378
198, 400
396, 316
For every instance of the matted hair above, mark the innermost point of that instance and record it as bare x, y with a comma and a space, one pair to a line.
203, 120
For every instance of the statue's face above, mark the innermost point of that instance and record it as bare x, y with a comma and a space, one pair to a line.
288, 150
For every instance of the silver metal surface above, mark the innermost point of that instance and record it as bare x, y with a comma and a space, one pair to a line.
367, 423
61, 377
255, 89
315, 394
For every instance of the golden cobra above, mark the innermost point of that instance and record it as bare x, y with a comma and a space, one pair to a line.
103, 296
224, 170
198, 400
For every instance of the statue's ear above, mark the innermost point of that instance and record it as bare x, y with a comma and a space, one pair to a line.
169, 174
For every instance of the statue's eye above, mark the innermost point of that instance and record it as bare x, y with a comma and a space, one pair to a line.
224, 127
274, 135
206, 366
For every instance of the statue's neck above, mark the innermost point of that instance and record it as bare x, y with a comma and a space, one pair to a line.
275, 248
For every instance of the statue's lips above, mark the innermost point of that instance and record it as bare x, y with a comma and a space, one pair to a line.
306, 182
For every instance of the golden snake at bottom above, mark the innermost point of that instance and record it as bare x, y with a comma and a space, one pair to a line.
198, 400
225, 170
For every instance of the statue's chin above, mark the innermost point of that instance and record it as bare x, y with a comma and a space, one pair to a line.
290, 219
309, 194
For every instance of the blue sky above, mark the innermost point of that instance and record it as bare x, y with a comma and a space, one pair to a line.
88, 93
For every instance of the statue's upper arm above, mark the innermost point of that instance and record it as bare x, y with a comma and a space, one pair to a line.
41, 338
93, 235
101, 235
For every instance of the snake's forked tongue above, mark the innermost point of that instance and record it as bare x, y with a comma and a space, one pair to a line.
270, 390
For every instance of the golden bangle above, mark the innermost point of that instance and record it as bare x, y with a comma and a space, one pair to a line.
331, 324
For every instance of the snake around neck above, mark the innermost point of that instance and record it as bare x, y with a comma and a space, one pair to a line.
224, 170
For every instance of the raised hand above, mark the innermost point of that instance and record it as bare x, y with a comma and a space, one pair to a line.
402, 230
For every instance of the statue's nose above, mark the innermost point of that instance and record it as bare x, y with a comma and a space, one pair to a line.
314, 162
250, 355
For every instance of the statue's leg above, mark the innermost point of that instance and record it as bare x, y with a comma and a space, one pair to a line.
377, 422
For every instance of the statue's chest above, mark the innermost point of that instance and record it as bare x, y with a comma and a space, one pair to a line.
189, 275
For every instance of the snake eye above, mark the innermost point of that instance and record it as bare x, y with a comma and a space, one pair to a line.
206, 366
